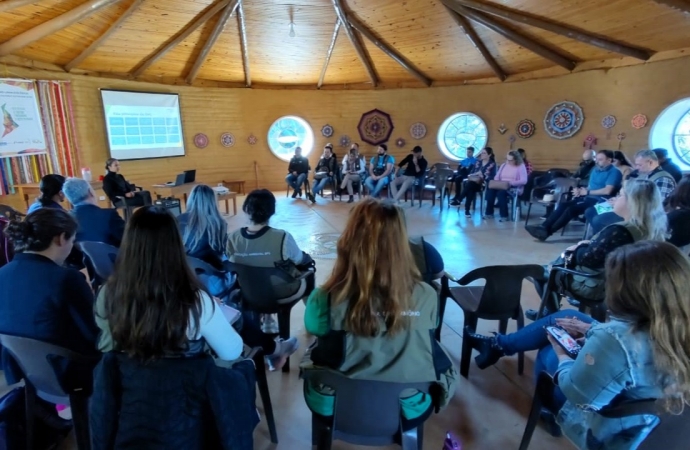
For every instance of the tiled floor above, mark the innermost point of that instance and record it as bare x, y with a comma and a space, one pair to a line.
489, 409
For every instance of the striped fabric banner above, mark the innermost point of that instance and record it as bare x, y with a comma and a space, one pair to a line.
55, 105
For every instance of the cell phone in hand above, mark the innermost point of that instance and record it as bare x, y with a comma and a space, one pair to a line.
566, 341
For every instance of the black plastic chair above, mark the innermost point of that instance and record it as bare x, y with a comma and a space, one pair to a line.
440, 183
11, 213
559, 186
498, 299
48, 375
553, 290
99, 259
257, 356
269, 290
202, 268
365, 412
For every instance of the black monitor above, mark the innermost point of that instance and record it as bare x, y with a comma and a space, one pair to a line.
189, 176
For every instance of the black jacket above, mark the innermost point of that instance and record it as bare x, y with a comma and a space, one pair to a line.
408, 163
299, 164
672, 169
172, 403
115, 185
98, 224
327, 165
583, 171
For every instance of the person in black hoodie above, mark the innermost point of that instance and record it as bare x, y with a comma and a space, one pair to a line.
297, 172
326, 170
667, 165
117, 188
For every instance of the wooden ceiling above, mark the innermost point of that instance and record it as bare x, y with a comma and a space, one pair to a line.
339, 43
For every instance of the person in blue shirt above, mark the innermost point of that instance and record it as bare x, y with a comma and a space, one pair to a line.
464, 169
51, 193
96, 224
380, 170
604, 181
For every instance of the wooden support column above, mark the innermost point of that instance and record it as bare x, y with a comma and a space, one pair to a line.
56, 24
354, 40
95, 44
518, 38
329, 53
478, 43
243, 44
189, 29
9, 5
210, 42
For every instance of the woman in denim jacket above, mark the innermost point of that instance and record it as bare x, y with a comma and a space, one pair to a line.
643, 352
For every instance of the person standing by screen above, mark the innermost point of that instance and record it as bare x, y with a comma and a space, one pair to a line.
118, 189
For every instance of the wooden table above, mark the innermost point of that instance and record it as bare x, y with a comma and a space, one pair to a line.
163, 190
229, 196
232, 184
30, 191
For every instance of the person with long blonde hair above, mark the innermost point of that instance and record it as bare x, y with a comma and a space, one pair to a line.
374, 317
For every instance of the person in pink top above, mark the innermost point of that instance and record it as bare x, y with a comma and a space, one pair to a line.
514, 174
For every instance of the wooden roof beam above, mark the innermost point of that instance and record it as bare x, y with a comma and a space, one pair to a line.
681, 5
329, 53
563, 30
477, 42
9, 5
210, 42
186, 31
354, 40
56, 24
390, 51
243, 44
95, 44
511, 34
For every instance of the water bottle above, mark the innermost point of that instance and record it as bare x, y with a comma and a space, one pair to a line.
86, 174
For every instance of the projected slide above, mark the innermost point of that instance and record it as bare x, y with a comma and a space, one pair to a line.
142, 125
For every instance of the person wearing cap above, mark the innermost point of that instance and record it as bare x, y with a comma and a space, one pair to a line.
415, 167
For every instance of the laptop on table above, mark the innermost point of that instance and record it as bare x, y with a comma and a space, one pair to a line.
180, 180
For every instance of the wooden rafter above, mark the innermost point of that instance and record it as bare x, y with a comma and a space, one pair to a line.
243, 45
9, 5
563, 30
354, 40
329, 53
53, 25
511, 34
172, 43
95, 44
478, 43
388, 50
210, 42
681, 5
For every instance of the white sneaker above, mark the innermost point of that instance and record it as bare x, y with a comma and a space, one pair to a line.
284, 348
269, 324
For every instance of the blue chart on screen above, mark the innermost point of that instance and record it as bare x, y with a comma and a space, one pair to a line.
143, 129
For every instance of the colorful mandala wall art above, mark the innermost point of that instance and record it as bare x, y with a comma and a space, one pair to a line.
525, 128
344, 140
418, 130
200, 140
375, 127
227, 140
563, 120
327, 131
608, 121
639, 121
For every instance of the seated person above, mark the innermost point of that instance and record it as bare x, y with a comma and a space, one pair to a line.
528, 165
641, 353
678, 214
298, 168
154, 306
667, 165
604, 182
325, 172
415, 167
380, 171
40, 298
622, 163
514, 173
117, 188
96, 224
51, 193
405, 348
354, 168
585, 168
464, 168
483, 171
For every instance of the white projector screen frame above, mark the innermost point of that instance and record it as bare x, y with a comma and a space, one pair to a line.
137, 123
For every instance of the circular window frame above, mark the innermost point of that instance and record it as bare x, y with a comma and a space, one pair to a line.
441, 142
663, 131
307, 144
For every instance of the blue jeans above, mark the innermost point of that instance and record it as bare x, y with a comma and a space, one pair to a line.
376, 186
320, 184
296, 182
502, 196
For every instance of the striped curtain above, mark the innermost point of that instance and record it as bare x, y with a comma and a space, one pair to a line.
55, 106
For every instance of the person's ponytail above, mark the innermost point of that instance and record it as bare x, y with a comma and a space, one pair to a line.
51, 185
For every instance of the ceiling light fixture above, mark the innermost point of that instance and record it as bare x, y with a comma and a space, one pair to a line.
292, 29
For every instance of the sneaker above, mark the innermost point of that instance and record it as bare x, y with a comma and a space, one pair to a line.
299, 192
503, 219
468, 214
352, 199
294, 193
454, 202
538, 232
489, 350
311, 197
269, 324
284, 348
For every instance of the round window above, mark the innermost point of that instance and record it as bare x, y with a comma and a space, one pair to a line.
671, 131
288, 133
459, 131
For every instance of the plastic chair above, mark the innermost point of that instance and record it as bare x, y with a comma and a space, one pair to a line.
559, 186
99, 259
11, 213
498, 299
594, 307
202, 269
43, 366
257, 356
440, 184
365, 412
269, 290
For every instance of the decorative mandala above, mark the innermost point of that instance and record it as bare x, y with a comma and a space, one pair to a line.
200, 140
344, 140
590, 141
327, 131
502, 129
418, 130
608, 121
525, 128
400, 142
639, 121
375, 127
227, 140
563, 120
252, 139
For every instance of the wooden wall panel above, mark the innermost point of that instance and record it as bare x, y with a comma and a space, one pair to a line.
623, 92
